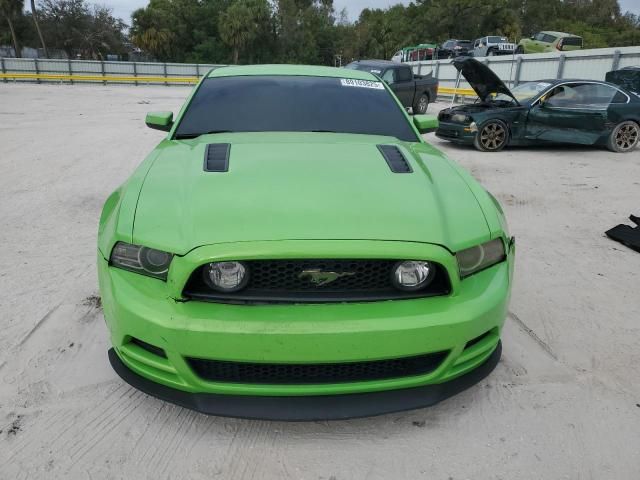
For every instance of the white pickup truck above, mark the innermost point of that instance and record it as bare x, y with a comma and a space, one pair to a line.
493, 45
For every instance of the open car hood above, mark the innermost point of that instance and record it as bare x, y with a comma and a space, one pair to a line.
481, 78
628, 78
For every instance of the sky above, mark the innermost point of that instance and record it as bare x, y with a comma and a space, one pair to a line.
123, 8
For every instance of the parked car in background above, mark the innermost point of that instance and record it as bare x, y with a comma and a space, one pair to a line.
415, 91
424, 51
454, 48
584, 112
549, 42
493, 45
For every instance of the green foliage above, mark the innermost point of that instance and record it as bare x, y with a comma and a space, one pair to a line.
81, 29
306, 31
243, 23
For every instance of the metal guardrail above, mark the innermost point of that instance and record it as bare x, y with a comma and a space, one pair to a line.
88, 71
147, 80
138, 73
97, 78
514, 69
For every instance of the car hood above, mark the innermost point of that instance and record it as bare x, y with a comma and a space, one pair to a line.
303, 186
481, 78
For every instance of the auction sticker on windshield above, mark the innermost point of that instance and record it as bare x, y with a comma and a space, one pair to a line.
349, 82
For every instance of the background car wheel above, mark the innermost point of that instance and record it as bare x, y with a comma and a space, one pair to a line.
520, 50
624, 137
421, 105
492, 136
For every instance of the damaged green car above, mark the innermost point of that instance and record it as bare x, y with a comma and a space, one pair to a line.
581, 112
294, 250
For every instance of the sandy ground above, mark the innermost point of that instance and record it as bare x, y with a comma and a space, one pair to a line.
564, 403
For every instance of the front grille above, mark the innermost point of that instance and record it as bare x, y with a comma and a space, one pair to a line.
283, 281
314, 373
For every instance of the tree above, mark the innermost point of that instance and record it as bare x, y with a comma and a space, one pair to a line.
242, 23
34, 14
9, 10
305, 31
78, 29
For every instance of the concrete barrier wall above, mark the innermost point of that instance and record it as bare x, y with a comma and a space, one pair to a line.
87, 71
512, 69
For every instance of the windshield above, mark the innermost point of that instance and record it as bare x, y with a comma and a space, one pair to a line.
573, 41
525, 91
294, 104
498, 39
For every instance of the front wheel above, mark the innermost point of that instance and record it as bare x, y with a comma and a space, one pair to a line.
492, 136
520, 50
491, 53
421, 105
624, 137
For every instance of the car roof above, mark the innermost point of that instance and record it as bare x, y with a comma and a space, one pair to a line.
290, 70
377, 63
556, 81
560, 34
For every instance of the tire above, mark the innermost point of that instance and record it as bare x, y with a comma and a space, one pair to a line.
491, 53
421, 105
520, 50
624, 138
492, 136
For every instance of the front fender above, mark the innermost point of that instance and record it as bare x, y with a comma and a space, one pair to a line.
118, 212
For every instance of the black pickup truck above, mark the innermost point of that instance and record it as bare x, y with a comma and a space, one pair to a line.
415, 91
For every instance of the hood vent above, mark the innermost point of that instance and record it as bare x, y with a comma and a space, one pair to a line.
395, 159
216, 157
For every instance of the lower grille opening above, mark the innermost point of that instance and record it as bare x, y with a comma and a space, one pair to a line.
478, 339
314, 373
148, 347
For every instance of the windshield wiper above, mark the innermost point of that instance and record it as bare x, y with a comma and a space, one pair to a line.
184, 136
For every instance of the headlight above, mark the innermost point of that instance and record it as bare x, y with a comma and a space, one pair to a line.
460, 118
139, 259
478, 258
412, 275
226, 276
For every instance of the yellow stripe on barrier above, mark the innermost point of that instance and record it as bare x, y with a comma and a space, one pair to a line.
153, 79
96, 78
457, 91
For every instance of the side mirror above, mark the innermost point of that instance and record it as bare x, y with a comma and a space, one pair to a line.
426, 123
159, 120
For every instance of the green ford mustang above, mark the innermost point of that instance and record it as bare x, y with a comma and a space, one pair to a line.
294, 250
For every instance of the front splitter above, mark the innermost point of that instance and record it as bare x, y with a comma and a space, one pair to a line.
308, 408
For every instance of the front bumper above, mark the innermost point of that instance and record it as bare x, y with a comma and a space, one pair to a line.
308, 408
455, 132
147, 309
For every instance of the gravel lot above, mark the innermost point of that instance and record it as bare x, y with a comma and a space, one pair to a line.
564, 403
